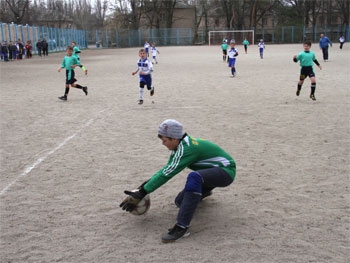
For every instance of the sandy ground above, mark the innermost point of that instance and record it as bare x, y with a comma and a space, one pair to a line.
64, 165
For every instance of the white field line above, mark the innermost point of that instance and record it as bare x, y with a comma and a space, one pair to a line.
43, 158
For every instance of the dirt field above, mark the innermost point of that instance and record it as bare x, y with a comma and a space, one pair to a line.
64, 165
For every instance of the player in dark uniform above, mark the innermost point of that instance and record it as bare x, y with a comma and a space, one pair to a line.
307, 58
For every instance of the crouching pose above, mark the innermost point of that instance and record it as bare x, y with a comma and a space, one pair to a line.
211, 167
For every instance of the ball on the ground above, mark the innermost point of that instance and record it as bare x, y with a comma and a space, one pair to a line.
142, 207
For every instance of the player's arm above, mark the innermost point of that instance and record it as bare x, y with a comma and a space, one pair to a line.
137, 70
295, 58
317, 63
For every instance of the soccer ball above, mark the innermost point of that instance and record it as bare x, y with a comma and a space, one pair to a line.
142, 207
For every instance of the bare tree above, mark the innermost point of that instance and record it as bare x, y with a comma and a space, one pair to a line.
344, 7
18, 9
101, 9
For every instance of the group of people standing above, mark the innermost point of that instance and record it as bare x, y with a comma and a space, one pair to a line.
17, 50
43, 47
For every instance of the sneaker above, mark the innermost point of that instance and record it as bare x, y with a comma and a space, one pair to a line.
176, 233
63, 98
85, 89
312, 96
298, 92
140, 102
152, 91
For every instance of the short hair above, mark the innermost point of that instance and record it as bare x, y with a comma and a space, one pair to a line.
69, 48
307, 42
142, 50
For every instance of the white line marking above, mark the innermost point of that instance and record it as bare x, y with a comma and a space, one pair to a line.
42, 158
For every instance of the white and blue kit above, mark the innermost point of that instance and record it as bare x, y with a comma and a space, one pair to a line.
145, 68
261, 46
154, 51
232, 54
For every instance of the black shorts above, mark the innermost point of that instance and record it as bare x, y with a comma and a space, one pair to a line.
306, 72
70, 77
224, 52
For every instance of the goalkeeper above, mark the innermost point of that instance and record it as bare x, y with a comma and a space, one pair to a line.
211, 167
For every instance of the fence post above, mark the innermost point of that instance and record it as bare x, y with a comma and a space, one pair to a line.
116, 39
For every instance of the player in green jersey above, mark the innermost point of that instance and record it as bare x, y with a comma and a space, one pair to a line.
245, 44
211, 167
69, 63
76, 52
224, 47
307, 58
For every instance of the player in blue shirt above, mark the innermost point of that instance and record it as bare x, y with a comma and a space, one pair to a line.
324, 44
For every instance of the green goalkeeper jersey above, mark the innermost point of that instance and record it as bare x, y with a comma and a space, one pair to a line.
195, 154
306, 58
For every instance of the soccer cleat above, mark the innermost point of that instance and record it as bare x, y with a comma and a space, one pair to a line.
63, 98
298, 92
312, 96
175, 233
140, 102
85, 89
152, 91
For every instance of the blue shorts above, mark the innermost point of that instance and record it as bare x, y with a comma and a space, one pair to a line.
146, 80
231, 62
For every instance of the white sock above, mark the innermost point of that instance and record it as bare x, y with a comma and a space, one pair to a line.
141, 93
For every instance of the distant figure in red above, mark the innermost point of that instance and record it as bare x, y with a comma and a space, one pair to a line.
29, 49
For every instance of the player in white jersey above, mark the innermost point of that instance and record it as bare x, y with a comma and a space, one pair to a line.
261, 46
232, 54
144, 68
146, 47
154, 50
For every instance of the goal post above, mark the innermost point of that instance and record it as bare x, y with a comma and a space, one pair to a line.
216, 37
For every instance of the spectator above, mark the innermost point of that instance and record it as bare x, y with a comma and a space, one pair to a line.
39, 46
45, 47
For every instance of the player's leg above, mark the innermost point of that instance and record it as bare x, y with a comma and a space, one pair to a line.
149, 84
141, 91
66, 91
192, 195
313, 88
301, 81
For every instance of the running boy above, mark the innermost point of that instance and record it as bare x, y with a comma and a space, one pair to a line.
155, 51
232, 54
69, 63
211, 167
145, 68
76, 52
307, 58
224, 47
261, 46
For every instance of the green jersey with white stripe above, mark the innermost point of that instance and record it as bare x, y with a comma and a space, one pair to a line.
195, 154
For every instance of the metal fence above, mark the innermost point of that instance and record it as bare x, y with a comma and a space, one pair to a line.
57, 38
60, 38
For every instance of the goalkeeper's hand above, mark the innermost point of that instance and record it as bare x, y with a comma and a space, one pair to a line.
133, 198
